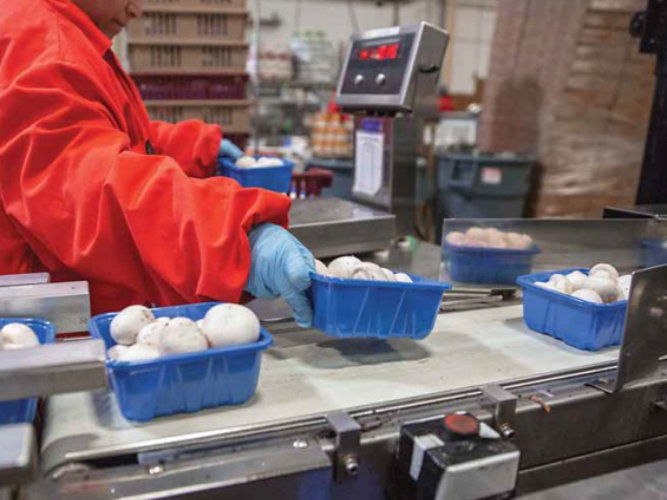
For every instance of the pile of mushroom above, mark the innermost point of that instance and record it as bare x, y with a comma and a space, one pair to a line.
139, 335
489, 238
602, 285
261, 162
349, 267
17, 336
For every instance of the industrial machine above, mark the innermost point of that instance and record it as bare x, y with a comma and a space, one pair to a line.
482, 408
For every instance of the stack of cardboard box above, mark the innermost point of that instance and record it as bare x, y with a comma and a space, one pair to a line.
567, 82
188, 59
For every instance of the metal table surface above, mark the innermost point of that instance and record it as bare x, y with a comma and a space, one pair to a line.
331, 226
307, 373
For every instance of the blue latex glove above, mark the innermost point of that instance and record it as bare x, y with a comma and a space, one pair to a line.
280, 266
229, 149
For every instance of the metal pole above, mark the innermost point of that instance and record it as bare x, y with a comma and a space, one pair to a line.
256, 41
653, 181
396, 14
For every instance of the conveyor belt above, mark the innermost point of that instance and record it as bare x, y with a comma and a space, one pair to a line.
307, 373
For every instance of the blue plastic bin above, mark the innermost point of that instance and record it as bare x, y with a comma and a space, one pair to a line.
653, 252
576, 322
380, 309
500, 266
182, 383
23, 410
272, 178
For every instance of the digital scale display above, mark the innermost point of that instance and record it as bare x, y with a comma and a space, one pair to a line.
379, 52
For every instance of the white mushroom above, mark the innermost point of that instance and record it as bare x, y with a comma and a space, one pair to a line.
561, 283
200, 323
268, 161
230, 324
403, 278
116, 352
321, 268
342, 267
245, 162
604, 286
476, 233
139, 352
126, 324
368, 271
515, 241
603, 269
389, 274
577, 279
181, 335
150, 334
588, 295
455, 238
546, 284
527, 241
17, 336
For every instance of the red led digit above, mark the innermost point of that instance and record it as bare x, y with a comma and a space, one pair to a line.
382, 52
392, 51
364, 54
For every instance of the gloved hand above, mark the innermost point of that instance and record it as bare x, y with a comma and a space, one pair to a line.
280, 266
229, 149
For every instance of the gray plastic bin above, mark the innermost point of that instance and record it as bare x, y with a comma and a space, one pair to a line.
482, 185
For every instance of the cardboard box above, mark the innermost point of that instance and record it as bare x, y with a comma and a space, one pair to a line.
193, 4
197, 57
232, 115
189, 26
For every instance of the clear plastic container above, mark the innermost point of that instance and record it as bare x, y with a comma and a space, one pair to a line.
182, 383
576, 322
272, 178
23, 410
380, 309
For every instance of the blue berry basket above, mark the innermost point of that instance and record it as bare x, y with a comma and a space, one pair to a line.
380, 309
576, 322
182, 383
272, 178
499, 266
23, 410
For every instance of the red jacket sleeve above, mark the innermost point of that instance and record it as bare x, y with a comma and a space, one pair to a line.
192, 143
85, 202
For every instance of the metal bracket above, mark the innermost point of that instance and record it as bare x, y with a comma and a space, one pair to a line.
77, 365
346, 452
504, 408
18, 454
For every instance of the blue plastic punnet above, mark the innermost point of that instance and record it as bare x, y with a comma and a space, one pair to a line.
272, 178
500, 266
380, 309
576, 322
180, 383
23, 410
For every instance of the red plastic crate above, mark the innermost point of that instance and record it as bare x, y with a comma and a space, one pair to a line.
154, 87
311, 183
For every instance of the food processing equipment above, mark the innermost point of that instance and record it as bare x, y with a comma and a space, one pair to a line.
483, 407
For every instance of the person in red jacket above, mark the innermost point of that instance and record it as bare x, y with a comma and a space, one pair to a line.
92, 189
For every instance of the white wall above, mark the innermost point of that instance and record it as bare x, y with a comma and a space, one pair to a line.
471, 23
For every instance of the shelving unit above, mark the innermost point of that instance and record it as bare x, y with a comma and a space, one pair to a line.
188, 60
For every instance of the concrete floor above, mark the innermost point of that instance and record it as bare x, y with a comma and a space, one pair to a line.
645, 482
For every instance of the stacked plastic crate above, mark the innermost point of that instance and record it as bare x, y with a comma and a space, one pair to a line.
188, 59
